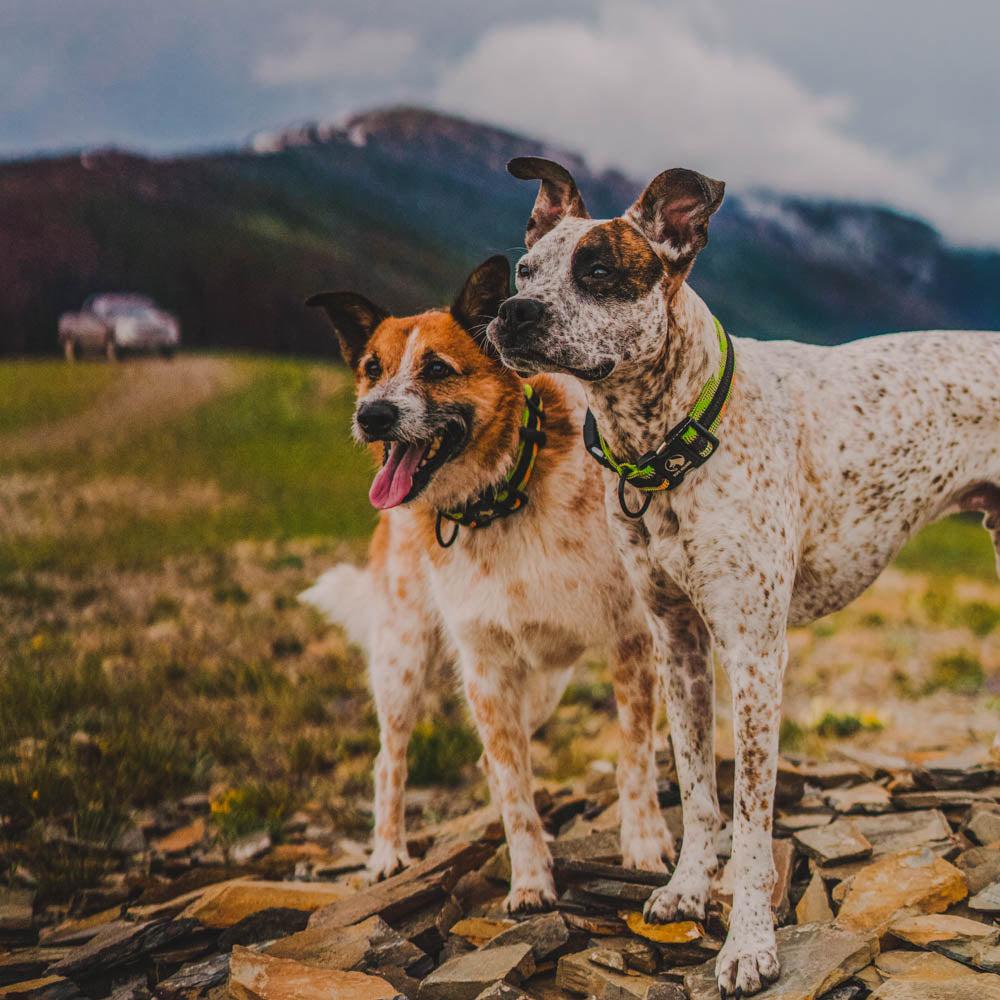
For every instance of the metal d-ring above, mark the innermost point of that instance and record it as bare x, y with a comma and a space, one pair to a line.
437, 532
634, 514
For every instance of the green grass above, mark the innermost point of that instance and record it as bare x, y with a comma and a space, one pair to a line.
440, 751
960, 672
37, 392
278, 448
956, 546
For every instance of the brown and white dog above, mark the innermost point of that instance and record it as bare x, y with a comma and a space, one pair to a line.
830, 459
516, 602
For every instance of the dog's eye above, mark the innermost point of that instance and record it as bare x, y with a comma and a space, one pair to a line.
373, 369
598, 271
438, 369
523, 270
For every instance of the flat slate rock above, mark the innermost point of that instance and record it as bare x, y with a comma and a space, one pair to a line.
546, 933
120, 942
45, 988
929, 929
254, 976
578, 973
815, 958
427, 880
27, 963
984, 827
794, 822
967, 941
814, 905
836, 843
227, 904
980, 987
601, 846
265, 925
466, 976
371, 944
943, 799
916, 879
833, 774
981, 867
428, 927
198, 976
893, 833
920, 966
987, 900
480, 930
869, 798
503, 991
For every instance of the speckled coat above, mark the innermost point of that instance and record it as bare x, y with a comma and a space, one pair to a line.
830, 459
516, 603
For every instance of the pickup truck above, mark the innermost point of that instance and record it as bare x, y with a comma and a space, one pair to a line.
112, 323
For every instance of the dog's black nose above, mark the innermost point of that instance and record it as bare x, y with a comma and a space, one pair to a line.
377, 418
519, 314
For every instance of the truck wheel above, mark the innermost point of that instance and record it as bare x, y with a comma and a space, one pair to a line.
111, 349
69, 349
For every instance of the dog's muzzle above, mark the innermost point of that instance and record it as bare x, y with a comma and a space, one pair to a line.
517, 322
377, 419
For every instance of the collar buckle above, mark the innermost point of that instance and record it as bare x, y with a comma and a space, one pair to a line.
688, 445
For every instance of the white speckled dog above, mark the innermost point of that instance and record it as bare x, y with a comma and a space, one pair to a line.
829, 459
519, 597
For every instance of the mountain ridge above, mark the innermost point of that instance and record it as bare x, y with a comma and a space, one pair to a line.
400, 203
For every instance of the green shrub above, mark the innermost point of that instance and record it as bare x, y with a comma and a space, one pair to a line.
960, 672
440, 751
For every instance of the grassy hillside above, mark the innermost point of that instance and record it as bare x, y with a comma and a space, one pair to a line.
158, 519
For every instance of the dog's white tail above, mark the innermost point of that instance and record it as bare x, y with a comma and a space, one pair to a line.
345, 596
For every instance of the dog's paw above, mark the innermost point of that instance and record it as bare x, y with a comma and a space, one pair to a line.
679, 899
530, 900
386, 860
646, 853
743, 972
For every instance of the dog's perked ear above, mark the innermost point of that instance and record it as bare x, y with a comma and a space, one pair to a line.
354, 320
557, 195
479, 300
675, 209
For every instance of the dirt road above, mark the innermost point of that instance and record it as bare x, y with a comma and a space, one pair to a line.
145, 392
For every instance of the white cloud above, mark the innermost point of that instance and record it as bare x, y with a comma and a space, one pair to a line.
320, 49
640, 88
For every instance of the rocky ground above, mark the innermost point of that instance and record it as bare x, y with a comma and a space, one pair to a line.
888, 887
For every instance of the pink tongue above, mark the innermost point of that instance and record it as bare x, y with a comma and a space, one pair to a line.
395, 479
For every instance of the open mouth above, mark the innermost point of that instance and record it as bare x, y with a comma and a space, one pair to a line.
408, 466
527, 362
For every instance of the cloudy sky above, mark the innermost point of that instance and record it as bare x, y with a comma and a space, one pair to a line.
896, 101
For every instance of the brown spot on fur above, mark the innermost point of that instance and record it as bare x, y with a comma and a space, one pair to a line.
633, 267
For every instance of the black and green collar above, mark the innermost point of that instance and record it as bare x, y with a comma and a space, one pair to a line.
687, 445
509, 496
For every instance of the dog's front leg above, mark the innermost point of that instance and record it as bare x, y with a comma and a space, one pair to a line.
398, 671
749, 958
495, 694
685, 649
645, 838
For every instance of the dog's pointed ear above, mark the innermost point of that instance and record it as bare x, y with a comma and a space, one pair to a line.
479, 300
675, 209
557, 195
354, 320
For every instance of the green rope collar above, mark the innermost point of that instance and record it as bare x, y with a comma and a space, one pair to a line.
509, 496
687, 445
